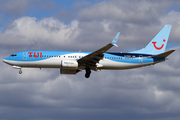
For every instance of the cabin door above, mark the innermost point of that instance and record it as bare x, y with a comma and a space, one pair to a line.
140, 58
24, 55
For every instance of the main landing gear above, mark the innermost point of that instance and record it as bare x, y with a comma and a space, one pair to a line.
88, 72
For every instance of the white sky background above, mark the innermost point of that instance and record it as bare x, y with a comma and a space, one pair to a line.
144, 93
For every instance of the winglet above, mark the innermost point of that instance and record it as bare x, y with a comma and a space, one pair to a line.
115, 40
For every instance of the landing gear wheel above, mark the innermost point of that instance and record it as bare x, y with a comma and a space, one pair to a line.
88, 72
87, 75
20, 71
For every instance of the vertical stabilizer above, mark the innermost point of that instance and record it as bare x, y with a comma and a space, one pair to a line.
158, 43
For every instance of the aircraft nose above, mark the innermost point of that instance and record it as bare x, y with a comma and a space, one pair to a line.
5, 60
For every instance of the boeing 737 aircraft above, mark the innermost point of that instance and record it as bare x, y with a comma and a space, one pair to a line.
73, 62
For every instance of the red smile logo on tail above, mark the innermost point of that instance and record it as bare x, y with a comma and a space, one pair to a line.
158, 48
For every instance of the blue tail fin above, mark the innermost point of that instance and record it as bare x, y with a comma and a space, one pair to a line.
158, 43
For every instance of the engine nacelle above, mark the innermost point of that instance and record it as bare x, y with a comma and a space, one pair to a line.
69, 71
69, 64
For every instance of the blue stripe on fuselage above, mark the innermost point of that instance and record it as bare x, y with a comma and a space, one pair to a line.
128, 57
129, 54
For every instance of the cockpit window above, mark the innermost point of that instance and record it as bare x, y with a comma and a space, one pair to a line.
13, 55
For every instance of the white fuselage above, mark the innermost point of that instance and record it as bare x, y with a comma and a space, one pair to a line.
109, 61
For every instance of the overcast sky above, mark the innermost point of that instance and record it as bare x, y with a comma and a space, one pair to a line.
149, 93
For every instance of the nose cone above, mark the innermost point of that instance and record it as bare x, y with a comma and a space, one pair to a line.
5, 60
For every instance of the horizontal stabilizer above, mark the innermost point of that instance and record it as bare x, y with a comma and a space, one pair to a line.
163, 55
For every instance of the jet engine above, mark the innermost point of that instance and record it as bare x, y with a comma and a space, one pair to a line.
69, 64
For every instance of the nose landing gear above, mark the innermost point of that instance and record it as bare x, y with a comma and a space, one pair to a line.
18, 67
20, 71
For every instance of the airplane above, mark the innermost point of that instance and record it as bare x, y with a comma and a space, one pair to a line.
74, 62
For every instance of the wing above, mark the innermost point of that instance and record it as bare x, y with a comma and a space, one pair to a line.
94, 57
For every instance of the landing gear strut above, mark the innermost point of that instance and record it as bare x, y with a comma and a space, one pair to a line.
88, 72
